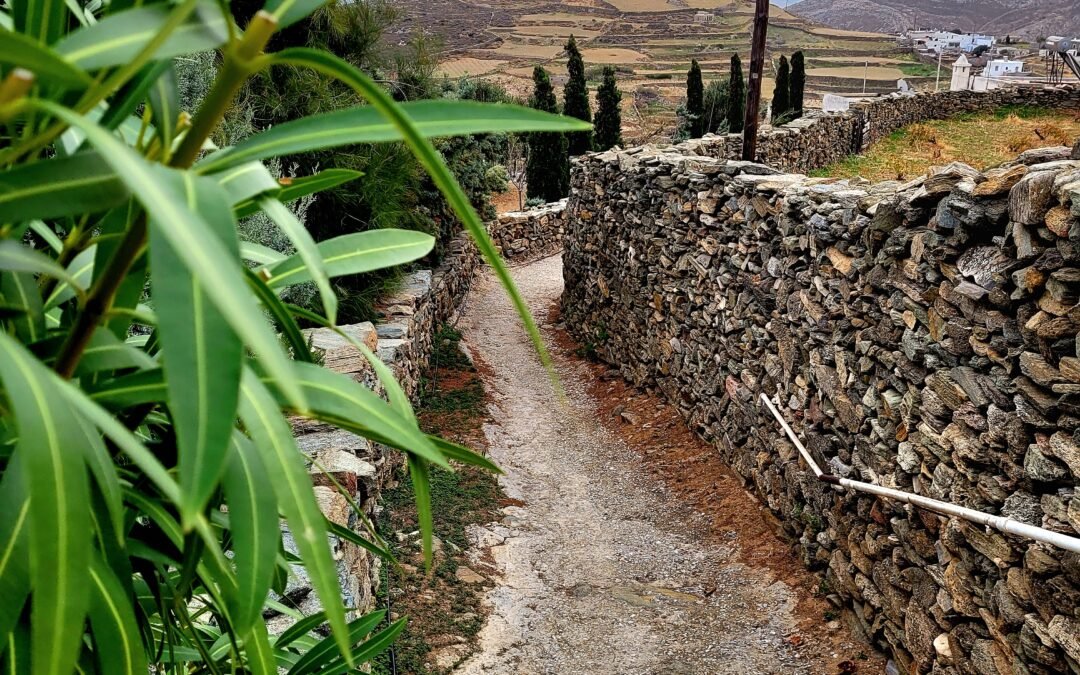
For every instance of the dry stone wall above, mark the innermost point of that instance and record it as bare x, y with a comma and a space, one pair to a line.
531, 234
821, 139
404, 339
923, 336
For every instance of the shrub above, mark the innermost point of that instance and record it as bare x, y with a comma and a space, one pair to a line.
147, 426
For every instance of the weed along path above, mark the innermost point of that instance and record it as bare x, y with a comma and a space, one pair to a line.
603, 563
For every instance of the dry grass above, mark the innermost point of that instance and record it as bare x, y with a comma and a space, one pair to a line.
612, 55
462, 67
981, 140
857, 72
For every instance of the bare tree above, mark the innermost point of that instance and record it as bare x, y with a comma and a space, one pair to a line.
517, 159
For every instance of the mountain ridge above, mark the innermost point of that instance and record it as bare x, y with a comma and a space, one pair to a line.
1024, 18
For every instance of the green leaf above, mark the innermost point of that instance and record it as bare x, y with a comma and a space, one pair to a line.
18, 258
285, 322
42, 20
307, 251
348, 535
45, 232
421, 480
257, 253
20, 290
292, 189
302, 627
133, 94
340, 400
164, 193
57, 187
366, 124
48, 68
246, 181
119, 38
124, 439
377, 644
324, 651
81, 269
415, 138
253, 519
108, 352
14, 547
201, 352
260, 654
356, 253
55, 479
165, 105
116, 631
288, 12
289, 479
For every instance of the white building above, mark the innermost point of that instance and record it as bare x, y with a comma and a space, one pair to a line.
997, 74
938, 40
1000, 67
704, 17
961, 74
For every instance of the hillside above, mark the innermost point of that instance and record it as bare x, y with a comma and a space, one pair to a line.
1027, 18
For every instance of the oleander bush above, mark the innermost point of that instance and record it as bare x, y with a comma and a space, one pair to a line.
148, 361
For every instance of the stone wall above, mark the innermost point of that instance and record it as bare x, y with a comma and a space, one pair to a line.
821, 139
921, 336
404, 340
526, 235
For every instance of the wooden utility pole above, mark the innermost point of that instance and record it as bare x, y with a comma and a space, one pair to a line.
753, 91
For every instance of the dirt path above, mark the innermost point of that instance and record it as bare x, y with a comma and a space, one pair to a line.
601, 568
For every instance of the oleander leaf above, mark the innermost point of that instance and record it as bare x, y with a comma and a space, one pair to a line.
288, 12
48, 67
42, 20
60, 529
253, 518
116, 631
120, 37
291, 189
61, 186
14, 547
246, 181
201, 351
320, 655
164, 193
289, 479
356, 253
366, 124
307, 251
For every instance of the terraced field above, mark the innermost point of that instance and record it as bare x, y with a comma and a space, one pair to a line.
651, 43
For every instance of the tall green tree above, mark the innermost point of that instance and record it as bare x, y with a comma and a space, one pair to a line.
781, 102
695, 100
576, 99
548, 169
608, 125
736, 96
798, 83
716, 107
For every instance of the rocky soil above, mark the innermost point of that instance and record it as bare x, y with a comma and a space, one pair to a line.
603, 567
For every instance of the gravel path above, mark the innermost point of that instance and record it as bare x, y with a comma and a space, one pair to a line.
600, 572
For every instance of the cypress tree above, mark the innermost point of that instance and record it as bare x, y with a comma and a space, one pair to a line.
736, 97
798, 83
548, 169
576, 99
781, 102
695, 100
608, 116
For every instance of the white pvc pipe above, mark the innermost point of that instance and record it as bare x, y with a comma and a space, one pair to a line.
997, 522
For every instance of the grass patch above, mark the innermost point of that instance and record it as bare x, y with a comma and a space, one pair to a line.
982, 140
445, 614
920, 70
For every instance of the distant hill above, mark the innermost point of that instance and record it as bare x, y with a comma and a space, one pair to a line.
1026, 18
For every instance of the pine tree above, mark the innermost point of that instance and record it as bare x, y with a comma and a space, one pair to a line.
695, 100
798, 83
608, 116
576, 99
548, 169
736, 97
781, 102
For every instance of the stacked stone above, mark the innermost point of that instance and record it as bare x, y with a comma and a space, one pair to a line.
403, 339
531, 234
922, 336
821, 139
